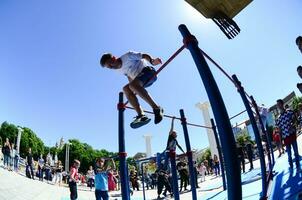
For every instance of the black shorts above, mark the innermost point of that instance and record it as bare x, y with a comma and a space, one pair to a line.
147, 76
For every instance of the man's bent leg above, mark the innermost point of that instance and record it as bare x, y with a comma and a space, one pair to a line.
136, 87
132, 99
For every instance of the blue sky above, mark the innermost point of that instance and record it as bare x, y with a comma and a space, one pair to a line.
51, 81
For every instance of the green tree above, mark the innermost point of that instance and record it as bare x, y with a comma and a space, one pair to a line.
30, 140
84, 153
296, 102
243, 137
9, 131
205, 155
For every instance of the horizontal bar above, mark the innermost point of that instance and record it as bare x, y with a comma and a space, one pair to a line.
237, 114
169, 116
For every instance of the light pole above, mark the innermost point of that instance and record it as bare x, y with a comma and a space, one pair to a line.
67, 156
19, 139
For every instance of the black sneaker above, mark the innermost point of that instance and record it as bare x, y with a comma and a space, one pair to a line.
139, 121
158, 115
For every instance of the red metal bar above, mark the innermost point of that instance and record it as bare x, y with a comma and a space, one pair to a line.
224, 72
163, 66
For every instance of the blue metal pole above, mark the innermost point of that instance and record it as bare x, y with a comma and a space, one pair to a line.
256, 132
189, 154
233, 172
219, 154
172, 156
122, 153
264, 131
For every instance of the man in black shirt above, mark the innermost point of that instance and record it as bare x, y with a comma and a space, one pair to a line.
29, 164
162, 180
184, 174
240, 153
249, 152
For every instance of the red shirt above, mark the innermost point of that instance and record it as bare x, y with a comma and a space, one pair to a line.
74, 174
276, 136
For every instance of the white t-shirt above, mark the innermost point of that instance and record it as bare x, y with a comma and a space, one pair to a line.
132, 64
263, 111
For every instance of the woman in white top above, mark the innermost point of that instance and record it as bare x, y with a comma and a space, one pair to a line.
90, 176
202, 170
12, 157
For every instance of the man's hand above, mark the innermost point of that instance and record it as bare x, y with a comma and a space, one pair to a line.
156, 61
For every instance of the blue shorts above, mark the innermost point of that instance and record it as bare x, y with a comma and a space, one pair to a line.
145, 75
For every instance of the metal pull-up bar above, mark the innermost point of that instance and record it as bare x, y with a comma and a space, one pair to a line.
237, 114
170, 116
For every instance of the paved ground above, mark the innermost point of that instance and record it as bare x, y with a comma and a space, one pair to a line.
14, 186
17, 187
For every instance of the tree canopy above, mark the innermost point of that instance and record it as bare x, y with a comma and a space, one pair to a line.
78, 150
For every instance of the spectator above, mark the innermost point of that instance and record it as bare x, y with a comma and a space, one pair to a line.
299, 42
41, 167
101, 178
58, 170
6, 152
184, 174
134, 180
16, 161
12, 157
111, 181
216, 165
277, 140
73, 179
206, 164
170, 180
286, 123
153, 180
250, 154
117, 179
162, 180
47, 167
240, 153
202, 171
211, 165
172, 143
263, 112
90, 176
147, 179
29, 164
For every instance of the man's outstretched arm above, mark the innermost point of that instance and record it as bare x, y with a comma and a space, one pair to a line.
152, 61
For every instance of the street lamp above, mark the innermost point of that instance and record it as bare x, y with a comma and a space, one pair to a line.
67, 156
19, 139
